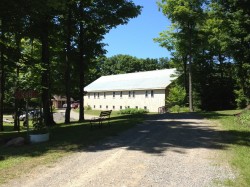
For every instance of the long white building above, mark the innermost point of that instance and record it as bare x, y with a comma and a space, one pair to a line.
146, 90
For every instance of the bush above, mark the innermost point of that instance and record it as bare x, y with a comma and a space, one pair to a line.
241, 99
175, 108
178, 109
88, 107
244, 118
176, 96
133, 111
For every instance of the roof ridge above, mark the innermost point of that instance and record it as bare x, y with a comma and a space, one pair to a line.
138, 72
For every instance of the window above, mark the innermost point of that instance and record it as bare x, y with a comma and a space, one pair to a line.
129, 94
113, 94
128, 106
146, 93
133, 93
136, 107
94, 95
120, 107
120, 94
94, 106
152, 93
145, 108
104, 95
98, 94
113, 107
100, 106
107, 107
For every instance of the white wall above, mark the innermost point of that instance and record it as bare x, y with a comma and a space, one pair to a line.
140, 100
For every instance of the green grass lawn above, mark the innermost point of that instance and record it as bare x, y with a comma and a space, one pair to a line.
64, 139
236, 135
97, 112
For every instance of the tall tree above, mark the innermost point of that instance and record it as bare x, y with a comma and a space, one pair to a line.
42, 22
68, 64
1, 72
95, 20
238, 15
185, 17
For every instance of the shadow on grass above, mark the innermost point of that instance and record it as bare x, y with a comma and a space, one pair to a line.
158, 133
216, 115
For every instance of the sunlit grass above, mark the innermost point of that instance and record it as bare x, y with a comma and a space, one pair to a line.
238, 139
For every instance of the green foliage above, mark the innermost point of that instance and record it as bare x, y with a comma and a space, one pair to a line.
88, 107
133, 111
241, 98
120, 64
175, 108
244, 118
176, 96
205, 34
36, 41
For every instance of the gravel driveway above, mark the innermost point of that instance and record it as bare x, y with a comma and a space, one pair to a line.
169, 150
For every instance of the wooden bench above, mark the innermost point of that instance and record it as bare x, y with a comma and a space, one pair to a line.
104, 116
7, 121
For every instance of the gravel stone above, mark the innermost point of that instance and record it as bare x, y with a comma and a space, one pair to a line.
166, 150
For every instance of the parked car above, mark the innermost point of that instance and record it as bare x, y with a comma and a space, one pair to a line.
72, 105
31, 114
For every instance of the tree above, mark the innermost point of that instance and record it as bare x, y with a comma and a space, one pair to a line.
237, 14
186, 17
95, 20
120, 64
67, 60
1, 73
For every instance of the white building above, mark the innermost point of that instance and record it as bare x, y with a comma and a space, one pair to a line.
146, 90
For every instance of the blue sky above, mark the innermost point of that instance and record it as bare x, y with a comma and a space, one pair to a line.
136, 38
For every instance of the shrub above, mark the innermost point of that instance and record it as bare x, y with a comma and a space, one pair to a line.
175, 108
244, 118
176, 96
88, 107
133, 111
241, 99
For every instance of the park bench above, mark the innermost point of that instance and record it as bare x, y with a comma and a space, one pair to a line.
104, 116
7, 121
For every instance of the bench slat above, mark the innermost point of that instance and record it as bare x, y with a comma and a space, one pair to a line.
104, 115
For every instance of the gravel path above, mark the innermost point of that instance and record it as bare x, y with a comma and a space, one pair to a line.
170, 150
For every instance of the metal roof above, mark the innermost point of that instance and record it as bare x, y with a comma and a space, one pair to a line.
157, 79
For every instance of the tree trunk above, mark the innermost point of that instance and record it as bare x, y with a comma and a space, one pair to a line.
47, 115
67, 71
221, 65
184, 59
191, 109
81, 67
1, 76
16, 115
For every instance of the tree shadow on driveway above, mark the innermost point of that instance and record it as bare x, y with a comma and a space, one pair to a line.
173, 132
158, 133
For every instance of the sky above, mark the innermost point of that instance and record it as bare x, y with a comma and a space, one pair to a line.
136, 37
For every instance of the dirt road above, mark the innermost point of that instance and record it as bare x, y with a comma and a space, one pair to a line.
170, 150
